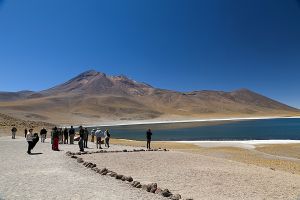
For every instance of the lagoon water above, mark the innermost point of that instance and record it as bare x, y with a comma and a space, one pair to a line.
262, 129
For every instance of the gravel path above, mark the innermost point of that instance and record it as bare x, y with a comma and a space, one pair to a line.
202, 177
51, 175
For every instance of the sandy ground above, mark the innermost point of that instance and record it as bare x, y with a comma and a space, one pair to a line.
283, 157
202, 177
206, 173
51, 175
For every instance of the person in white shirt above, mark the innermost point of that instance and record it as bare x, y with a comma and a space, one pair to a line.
98, 135
29, 139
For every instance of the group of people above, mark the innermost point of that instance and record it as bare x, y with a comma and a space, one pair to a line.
98, 134
62, 136
31, 138
66, 136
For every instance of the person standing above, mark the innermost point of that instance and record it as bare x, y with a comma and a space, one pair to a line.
149, 135
29, 139
81, 134
98, 135
43, 134
72, 134
66, 136
35, 140
86, 137
25, 132
60, 136
93, 135
55, 137
107, 137
13, 132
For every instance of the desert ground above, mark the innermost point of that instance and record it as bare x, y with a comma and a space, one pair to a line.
277, 157
265, 172
52, 175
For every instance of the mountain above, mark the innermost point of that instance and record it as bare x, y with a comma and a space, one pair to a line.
93, 97
92, 82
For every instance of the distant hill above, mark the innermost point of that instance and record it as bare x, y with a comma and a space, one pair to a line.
11, 96
7, 122
94, 97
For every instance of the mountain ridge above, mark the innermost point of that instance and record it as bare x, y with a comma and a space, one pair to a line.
94, 97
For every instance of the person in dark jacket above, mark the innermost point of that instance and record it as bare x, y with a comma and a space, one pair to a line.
80, 143
43, 134
72, 134
85, 137
66, 136
13, 132
35, 140
148, 136
25, 132
107, 137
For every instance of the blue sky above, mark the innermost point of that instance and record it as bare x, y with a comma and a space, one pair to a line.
179, 45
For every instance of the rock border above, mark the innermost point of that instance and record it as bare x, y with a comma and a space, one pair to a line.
152, 187
116, 151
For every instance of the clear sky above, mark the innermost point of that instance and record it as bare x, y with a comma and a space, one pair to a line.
180, 45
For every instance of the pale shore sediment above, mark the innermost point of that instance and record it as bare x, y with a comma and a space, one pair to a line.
165, 121
246, 144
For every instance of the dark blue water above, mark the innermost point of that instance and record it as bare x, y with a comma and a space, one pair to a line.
263, 129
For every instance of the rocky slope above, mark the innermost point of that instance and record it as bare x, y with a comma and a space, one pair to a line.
94, 97
7, 122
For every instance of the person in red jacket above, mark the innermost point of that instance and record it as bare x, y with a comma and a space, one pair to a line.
55, 137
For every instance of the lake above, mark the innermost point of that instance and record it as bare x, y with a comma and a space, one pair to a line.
262, 129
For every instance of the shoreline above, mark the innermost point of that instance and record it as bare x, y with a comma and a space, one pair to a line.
137, 122
245, 144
